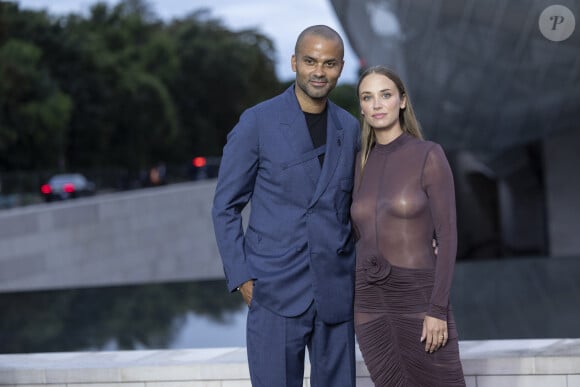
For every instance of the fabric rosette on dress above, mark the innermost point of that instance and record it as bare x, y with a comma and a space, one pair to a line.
376, 270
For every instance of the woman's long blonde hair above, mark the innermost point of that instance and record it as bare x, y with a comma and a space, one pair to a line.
407, 119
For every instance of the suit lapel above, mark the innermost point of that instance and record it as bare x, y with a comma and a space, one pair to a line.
293, 126
334, 145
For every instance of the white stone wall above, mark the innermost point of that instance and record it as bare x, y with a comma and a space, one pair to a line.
494, 363
157, 234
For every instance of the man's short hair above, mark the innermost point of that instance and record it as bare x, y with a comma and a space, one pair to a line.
319, 30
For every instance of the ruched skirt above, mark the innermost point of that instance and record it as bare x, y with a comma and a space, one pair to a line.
389, 310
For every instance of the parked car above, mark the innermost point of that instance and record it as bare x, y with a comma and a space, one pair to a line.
67, 186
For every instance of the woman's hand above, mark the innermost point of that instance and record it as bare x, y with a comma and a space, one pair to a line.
434, 333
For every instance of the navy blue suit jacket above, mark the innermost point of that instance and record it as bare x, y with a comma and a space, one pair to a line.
298, 245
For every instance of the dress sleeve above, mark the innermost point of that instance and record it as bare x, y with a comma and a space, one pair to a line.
356, 186
438, 183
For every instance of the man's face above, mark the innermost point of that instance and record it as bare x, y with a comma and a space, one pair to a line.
317, 64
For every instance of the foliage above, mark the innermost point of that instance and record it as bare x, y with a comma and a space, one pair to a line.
345, 96
119, 87
35, 112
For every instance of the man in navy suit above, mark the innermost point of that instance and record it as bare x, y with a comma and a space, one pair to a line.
293, 157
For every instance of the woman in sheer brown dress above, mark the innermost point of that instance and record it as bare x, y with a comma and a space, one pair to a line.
403, 198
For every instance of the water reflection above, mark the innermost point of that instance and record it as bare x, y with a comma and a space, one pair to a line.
125, 317
503, 299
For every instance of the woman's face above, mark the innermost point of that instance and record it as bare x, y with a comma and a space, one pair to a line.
380, 102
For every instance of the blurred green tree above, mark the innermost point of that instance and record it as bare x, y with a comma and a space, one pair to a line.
118, 87
221, 73
35, 112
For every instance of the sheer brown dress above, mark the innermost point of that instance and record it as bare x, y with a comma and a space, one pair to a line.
403, 199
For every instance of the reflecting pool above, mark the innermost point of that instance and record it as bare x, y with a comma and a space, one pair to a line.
499, 299
176, 315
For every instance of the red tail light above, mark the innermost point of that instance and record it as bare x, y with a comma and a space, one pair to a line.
199, 162
69, 188
45, 189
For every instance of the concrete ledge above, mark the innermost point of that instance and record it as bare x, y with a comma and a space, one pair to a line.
497, 363
111, 239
